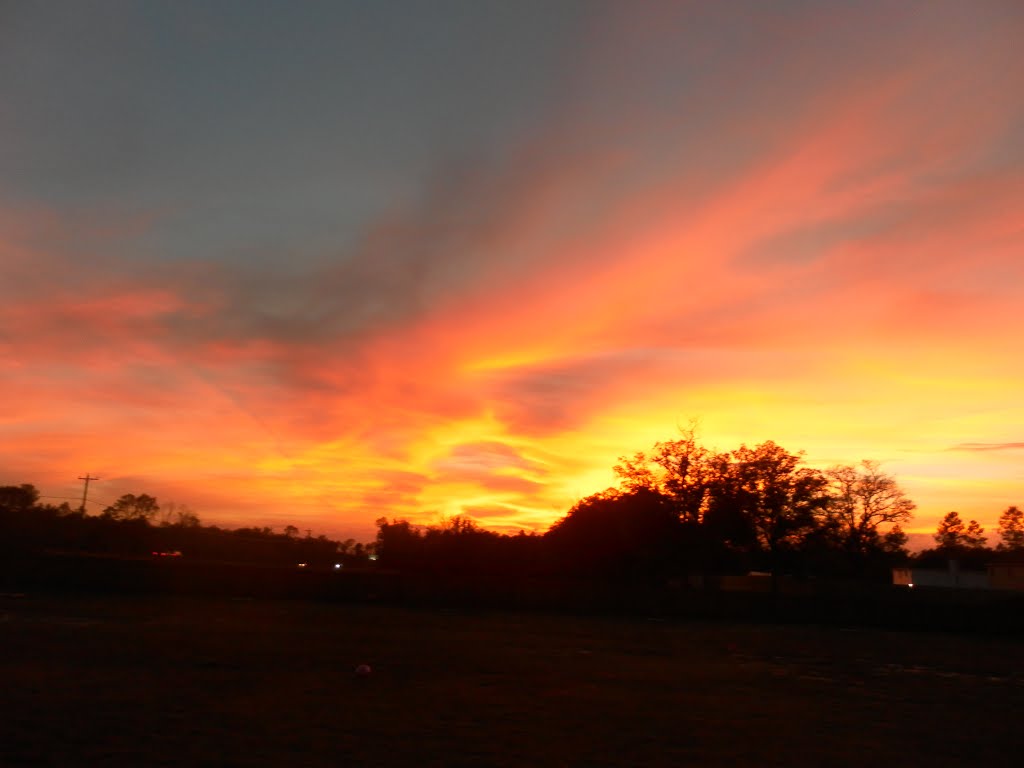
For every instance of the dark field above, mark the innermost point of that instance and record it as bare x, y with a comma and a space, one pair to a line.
176, 681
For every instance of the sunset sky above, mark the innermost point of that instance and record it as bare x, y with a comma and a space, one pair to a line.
316, 263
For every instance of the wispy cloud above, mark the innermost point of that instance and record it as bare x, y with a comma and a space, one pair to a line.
811, 233
988, 447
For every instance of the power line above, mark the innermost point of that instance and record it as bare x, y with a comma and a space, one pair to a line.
73, 498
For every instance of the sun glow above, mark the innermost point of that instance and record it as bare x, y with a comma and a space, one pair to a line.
788, 240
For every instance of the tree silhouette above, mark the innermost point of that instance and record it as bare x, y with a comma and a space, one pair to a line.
779, 498
344, 547
1011, 530
175, 514
631, 535
951, 530
18, 498
954, 536
894, 542
680, 470
132, 507
974, 536
457, 525
759, 504
186, 518
863, 498
399, 543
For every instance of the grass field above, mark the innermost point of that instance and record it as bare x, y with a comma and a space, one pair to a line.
176, 681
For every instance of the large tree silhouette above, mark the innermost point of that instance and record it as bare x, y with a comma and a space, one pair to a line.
766, 487
633, 536
862, 500
682, 471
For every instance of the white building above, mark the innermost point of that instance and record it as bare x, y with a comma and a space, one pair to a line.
951, 577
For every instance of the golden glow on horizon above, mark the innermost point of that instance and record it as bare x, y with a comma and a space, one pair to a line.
844, 278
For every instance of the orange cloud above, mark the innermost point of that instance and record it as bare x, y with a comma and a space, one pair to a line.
834, 265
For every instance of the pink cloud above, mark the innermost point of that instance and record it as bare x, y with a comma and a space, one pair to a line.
708, 238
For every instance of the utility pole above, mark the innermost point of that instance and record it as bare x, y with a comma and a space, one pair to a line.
85, 492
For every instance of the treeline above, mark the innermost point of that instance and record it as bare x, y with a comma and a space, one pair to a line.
679, 514
684, 514
682, 511
137, 526
967, 543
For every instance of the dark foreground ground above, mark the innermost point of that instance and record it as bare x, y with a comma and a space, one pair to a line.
137, 681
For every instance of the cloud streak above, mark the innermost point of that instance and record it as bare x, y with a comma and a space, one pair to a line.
988, 447
808, 231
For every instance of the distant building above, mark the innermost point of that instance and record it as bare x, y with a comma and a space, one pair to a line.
951, 577
1006, 576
